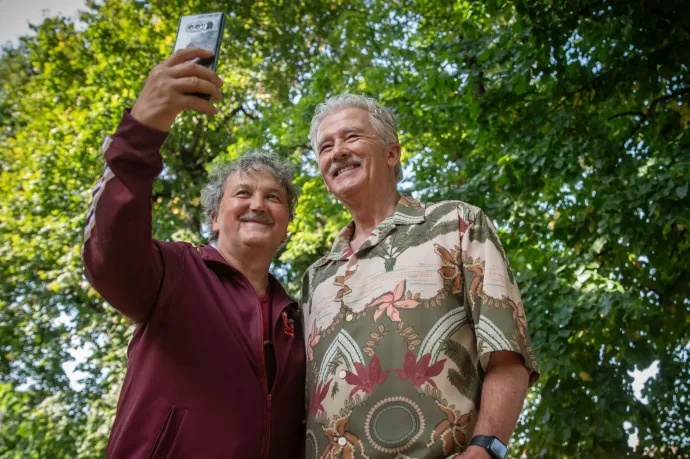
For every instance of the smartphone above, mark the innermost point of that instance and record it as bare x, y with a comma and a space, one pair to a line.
202, 31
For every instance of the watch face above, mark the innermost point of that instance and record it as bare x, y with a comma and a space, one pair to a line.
497, 448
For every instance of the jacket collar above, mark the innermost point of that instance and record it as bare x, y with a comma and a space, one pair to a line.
211, 256
408, 212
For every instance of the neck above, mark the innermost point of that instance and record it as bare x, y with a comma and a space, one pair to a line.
254, 266
367, 213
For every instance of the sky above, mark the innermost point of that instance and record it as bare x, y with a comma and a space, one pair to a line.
15, 15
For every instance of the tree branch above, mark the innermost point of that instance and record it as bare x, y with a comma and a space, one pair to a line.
620, 115
565, 99
633, 131
235, 111
232, 114
648, 111
97, 307
250, 115
198, 133
661, 99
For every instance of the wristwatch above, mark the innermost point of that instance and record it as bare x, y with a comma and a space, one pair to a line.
493, 445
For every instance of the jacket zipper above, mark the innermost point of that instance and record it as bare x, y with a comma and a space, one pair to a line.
268, 395
267, 439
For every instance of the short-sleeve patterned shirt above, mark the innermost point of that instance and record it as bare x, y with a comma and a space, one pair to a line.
400, 332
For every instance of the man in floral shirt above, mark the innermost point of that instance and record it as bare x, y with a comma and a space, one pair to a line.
417, 343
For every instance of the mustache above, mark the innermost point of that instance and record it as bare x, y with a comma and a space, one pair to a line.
257, 217
350, 162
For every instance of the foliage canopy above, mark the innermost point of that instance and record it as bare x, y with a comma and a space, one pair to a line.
567, 122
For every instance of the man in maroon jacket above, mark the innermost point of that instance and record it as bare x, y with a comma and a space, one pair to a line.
216, 364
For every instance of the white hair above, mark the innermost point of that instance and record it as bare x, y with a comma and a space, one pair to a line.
381, 118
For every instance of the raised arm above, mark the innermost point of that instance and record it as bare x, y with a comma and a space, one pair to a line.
122, 261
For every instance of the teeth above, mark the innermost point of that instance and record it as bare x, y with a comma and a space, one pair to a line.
345, 169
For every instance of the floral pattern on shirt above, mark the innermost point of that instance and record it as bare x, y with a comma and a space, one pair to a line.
401, 333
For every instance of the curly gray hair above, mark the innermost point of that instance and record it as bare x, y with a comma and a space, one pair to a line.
254, 160
381, 118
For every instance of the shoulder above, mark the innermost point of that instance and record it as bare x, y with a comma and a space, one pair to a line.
317, 264
465, 210
177, 248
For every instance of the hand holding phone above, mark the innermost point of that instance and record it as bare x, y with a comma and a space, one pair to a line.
187, 80
201, 31
169, 86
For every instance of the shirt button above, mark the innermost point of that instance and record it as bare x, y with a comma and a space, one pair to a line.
342, 374
348, 317
342, 441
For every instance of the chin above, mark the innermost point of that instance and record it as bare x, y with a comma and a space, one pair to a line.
260, 241
347, 190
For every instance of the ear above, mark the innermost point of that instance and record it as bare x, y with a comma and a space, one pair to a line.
393, 154
215, 227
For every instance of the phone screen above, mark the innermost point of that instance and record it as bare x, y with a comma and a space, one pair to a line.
202, 31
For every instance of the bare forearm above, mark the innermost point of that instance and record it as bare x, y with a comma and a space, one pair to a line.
503, 393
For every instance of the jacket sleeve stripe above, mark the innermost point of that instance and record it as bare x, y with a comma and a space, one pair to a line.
107, 176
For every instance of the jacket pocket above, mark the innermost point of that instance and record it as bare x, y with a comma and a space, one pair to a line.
166, 437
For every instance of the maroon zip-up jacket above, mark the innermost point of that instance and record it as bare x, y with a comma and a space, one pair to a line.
196, 383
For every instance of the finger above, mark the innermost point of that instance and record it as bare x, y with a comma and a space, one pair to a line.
191, 69
196, 84
197, 104
186, 54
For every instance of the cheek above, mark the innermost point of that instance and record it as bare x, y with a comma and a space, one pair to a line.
230, 207
226, 213
323, 162
282, 216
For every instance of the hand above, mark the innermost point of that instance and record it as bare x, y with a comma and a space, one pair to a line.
163, 96
475, 452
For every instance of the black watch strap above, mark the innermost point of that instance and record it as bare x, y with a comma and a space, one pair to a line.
493, 445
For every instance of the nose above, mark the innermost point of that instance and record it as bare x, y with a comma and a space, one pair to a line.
256, 203
339, 150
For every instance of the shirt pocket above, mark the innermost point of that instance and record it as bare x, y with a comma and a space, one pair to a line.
166, 437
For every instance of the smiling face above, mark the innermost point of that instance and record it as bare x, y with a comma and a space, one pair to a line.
253, 213
354, 161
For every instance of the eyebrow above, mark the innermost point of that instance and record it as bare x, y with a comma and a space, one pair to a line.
246, 186
276, 190
354, 128
240, 186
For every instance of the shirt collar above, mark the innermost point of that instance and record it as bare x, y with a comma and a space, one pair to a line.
408, 212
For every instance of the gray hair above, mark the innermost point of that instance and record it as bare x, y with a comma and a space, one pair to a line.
253, 160
381, 118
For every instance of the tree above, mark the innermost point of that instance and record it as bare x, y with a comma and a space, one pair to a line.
565, 121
